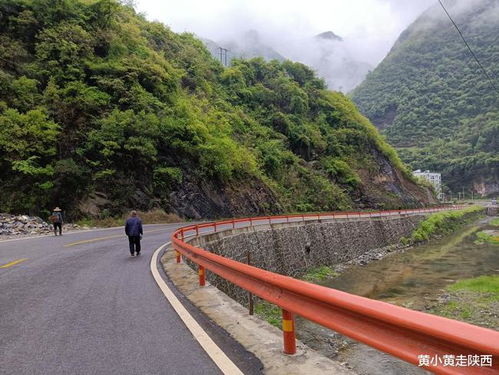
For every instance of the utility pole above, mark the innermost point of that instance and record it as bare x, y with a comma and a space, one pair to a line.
222, 53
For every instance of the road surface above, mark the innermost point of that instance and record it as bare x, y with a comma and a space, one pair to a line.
79, 304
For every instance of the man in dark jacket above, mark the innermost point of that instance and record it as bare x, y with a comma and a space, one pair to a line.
133, 229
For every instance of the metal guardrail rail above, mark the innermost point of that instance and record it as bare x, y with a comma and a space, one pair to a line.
406, 334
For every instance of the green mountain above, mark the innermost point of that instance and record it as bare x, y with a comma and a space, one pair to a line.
432, 101
102, 111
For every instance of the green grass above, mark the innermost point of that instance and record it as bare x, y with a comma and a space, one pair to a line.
475, 301
443, 222
319, 274
456, 310
269, 312
482, 284
495, 222
483, 237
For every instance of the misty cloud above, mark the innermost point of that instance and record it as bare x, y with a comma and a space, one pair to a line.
369, 28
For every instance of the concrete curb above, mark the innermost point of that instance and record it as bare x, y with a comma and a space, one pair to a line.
256, 335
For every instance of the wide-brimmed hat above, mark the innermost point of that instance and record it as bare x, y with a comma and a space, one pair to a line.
57, 209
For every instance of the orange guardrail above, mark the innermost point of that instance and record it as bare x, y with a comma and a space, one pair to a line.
438, 344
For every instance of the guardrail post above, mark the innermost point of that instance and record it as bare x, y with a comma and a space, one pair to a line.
270, 221
250, 295
233, 224
215, 226
251, 222
197, 230
202, 278
288, 331
178, 256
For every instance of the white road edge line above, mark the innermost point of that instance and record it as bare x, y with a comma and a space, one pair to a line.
216, 354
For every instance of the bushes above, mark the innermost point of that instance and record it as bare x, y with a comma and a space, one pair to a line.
132, 108
443, 222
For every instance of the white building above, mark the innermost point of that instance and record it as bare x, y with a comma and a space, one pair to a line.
434, 178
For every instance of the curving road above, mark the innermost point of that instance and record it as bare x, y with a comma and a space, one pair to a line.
79, 304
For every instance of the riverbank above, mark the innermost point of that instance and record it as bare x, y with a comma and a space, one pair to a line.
442, 223
434, 227
474, 301
441, 277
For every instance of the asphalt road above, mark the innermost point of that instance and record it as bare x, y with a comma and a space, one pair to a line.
79, 304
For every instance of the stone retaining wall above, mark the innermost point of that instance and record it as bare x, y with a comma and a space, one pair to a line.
292, 249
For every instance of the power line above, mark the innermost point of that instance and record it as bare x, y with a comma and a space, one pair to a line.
469, 48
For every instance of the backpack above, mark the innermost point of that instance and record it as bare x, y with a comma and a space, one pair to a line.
55, 218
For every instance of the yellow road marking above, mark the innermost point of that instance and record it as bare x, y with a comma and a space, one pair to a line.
106, 238
92, 240
13, 263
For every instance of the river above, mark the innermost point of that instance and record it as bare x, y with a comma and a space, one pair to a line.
414, 279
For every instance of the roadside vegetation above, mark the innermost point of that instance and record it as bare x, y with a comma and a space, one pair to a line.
272, 314
318, 274
269, 312
441, 223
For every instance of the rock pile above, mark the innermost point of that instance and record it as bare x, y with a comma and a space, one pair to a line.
12, 225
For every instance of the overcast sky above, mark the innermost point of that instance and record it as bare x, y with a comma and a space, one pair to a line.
372, 25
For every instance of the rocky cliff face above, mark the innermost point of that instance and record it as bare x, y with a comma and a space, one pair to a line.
385, 186
199, 199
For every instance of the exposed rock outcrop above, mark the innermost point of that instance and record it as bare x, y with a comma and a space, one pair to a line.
12, 225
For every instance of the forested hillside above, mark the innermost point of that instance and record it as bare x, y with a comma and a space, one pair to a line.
102, 111
434, 103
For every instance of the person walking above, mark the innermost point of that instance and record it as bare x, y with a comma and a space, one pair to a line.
133, 229
56, 219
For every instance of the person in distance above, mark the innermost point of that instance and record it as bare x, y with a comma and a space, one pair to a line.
133, 229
